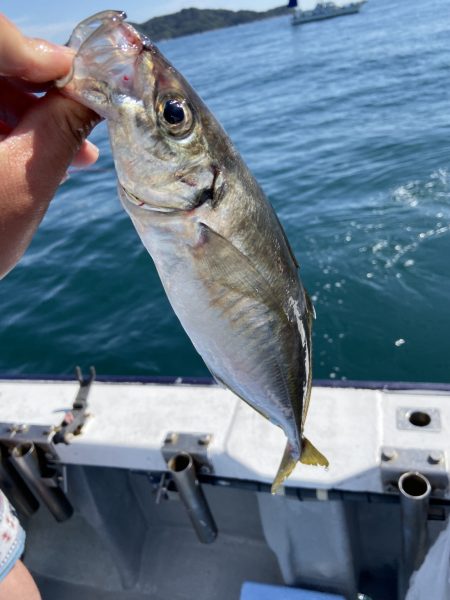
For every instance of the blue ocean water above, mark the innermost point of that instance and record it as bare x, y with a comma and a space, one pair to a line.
346, 125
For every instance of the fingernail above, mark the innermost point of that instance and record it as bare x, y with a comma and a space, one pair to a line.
92, 148
86, 155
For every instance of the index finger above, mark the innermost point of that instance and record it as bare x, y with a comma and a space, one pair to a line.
30, 58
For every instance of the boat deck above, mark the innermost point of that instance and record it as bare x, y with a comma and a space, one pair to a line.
73, 560
337, 530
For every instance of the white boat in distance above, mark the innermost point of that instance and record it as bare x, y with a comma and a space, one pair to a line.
322, 10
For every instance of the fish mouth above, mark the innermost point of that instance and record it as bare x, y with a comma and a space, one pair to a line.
109, 34
130, 197
106, 21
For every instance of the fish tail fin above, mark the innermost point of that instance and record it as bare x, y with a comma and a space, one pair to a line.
309, 456
287, 464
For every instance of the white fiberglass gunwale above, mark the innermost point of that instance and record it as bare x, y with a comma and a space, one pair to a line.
131, 417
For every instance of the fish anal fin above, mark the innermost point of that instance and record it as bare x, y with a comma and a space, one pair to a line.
219, 380
225, 386
311, 456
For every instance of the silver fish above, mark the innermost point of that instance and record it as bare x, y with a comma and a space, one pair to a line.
217, 244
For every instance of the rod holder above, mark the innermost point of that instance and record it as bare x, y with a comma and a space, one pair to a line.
25, 460
415, 490
16, 490
182, 469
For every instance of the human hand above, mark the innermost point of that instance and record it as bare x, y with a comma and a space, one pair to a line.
39, 136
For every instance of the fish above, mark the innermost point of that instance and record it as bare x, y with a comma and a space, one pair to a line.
220, 251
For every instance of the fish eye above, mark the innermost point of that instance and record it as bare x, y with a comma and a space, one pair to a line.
173, 112
175, 115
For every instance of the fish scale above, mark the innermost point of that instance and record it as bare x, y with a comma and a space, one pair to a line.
218, 246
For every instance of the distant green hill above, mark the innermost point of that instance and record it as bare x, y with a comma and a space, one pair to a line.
195, 20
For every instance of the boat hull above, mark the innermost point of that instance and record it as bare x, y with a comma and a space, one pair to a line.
300, 17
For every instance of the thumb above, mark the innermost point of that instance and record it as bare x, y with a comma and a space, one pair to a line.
46, 141
31, 59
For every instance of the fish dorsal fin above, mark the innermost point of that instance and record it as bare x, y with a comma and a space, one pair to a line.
310, 306
286, 241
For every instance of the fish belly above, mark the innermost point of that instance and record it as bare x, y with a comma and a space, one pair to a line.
240, 331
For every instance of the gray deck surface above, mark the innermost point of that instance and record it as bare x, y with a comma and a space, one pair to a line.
164, 560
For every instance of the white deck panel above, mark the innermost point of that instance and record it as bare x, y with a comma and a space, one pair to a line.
129, 422
36, 402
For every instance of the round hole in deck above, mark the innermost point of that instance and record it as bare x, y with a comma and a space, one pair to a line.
414, 485
419, 418
180, 462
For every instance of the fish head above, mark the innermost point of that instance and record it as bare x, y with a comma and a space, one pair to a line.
166, 144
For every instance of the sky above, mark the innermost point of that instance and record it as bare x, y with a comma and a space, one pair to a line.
55, 19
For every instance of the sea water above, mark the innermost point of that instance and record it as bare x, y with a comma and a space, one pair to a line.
346, 125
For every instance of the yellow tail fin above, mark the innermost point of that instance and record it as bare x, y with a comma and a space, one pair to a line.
310, 456
286, 467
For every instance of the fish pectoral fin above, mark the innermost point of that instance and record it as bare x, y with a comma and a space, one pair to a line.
286, 467
311, 456
231, 268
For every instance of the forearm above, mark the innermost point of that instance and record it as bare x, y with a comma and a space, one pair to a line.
19, 585
39, 137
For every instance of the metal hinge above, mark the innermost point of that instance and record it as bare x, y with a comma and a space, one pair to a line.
76, 418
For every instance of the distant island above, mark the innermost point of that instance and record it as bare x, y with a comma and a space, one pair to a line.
195, 20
